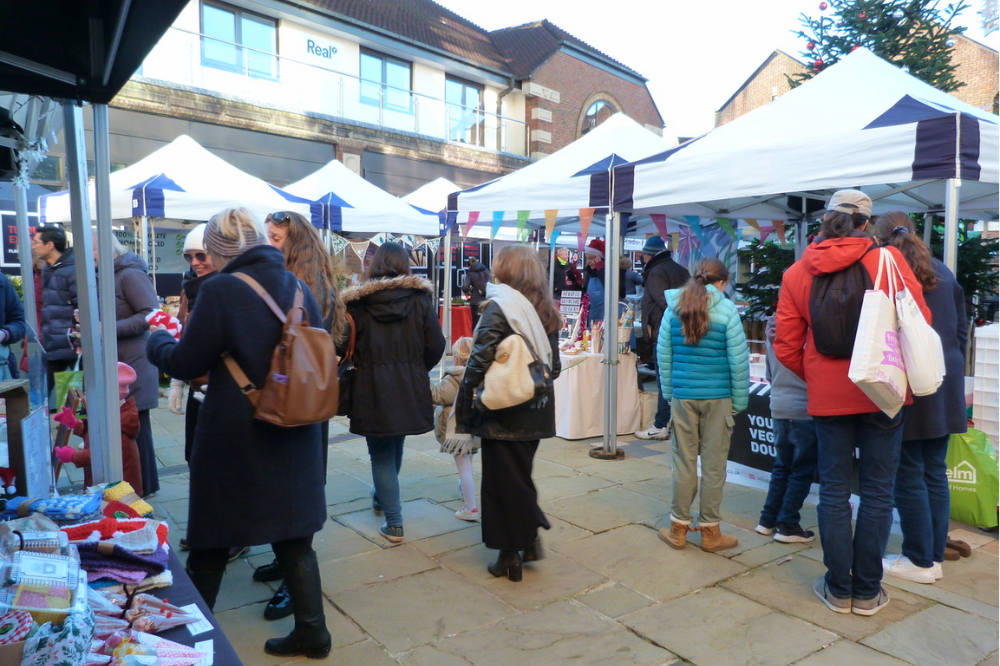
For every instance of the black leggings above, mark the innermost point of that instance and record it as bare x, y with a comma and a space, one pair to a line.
214, 560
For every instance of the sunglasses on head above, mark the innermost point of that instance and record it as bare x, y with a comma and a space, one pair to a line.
280, 216
191, 256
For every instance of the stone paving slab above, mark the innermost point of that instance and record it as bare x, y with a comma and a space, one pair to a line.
429, 605
606, 509
615, 600
845, 652
560, 633
376, 567
569, 484
623, 471
937, 593
446, 543
562, 532
788, 588
544, 582
715, 627
368, 653
938, 635
769, 552
660, 488
335, 541
247, 630
421, 519
341, 488
974, 577
573, 455
635, 557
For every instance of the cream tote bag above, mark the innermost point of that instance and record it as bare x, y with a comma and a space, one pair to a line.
923, 354
877, 366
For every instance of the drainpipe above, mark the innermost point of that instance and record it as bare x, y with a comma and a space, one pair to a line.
503, 93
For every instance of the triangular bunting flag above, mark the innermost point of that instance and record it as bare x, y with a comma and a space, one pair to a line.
675, 241
581, 240
660, 222
695, 223
779, 228
338, 243
754, 224
586, 217
550, 222
522, 221
497, 221
473, 218
727, 226
552, 238
360, 248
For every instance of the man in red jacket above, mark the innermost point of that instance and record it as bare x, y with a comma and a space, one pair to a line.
846, 419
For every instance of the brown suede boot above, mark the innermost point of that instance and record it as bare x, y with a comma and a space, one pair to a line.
676, 535
713, 540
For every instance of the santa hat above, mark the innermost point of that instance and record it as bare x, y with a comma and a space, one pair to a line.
596, 248
126, 377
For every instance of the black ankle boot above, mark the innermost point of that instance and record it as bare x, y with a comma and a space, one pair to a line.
309, 637
207, 583
534, 552
508, 563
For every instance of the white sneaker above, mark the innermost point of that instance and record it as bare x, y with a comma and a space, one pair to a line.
766, 531
938, 571
653, 433
900, 566
465, 514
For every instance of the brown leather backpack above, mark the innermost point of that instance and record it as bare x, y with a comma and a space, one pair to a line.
302, 386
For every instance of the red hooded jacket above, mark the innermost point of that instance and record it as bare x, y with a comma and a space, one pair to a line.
830, 391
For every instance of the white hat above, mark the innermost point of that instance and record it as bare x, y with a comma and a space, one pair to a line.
195, 241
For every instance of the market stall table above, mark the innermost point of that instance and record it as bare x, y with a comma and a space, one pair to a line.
580, 396
461, 321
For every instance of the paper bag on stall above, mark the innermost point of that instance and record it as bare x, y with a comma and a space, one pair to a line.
877, 362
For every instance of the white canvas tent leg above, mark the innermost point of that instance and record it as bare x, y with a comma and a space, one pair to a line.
101, 408
110, 455
611, 258
24, 254
446, 304
951, 222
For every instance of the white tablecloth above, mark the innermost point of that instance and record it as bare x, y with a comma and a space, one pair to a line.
580, 396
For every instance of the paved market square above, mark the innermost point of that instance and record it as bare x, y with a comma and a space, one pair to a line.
608, 593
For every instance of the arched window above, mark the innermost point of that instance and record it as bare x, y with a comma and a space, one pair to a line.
596, 114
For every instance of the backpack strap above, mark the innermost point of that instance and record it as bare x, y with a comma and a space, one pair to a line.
266, 296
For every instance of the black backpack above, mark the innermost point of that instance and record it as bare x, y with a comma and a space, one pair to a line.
835, 308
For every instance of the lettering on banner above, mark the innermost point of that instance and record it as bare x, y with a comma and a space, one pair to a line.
569, 303
752, 443
319, 50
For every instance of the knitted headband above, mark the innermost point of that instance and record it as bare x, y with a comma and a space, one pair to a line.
221, 246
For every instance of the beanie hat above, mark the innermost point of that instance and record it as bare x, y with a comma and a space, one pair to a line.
195, 240
596, 248
654, 245
126, 377
218, 244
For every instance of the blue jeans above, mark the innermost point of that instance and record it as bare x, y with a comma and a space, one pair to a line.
854, 562
387, 458
923, 499
793, 472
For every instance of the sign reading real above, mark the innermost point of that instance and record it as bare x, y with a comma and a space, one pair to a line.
323, 51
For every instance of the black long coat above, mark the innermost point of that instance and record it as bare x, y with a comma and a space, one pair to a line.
251, 482
399, 340
661, 273
534, 420
943, 412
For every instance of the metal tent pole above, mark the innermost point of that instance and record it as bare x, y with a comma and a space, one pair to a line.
446, 304
100, 407
951, 222
111, 454
611, 260
552, 266
27, 260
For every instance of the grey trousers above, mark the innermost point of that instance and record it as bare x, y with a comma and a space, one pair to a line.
700, 427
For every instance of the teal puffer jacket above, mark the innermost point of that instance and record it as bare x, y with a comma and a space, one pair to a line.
717, 367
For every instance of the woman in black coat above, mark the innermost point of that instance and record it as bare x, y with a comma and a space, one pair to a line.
522, 304
398, 341
251, 482
921, 491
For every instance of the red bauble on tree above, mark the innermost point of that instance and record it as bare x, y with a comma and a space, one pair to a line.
862, 15
818, 64
856, 47
811, 45
823, 6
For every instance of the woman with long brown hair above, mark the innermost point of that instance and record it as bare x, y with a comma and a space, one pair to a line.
308, 259
704, 369
520, 304
921, 489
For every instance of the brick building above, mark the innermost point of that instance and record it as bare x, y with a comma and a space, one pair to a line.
977, 67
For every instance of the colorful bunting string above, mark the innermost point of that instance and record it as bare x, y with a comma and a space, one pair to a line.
660, 222
497, 221
522, 221
473, 218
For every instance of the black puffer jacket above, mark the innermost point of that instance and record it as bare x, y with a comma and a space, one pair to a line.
661, 273
398, 341
475, 282
58, 302
536, 420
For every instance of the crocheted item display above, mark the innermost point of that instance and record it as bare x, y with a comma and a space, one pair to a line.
105, 586
68, 508
96, 555
123, 492
14, 626
138, 535
116, 509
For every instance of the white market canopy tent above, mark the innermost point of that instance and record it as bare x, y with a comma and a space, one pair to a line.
180, 181
350, 203
561, 184
861, 123
432, 196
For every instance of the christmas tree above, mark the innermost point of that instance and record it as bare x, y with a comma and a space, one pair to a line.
916, 35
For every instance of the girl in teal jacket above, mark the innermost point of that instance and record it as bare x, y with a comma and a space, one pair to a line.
705, 373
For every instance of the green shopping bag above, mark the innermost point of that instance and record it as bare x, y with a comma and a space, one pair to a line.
973, 479
67, 380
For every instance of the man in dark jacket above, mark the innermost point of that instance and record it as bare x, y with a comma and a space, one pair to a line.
12, 327
474, 284
58, 297
660, 274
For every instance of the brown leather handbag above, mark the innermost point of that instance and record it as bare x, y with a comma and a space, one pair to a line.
302, 386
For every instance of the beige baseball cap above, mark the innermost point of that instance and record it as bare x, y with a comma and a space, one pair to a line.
851, 201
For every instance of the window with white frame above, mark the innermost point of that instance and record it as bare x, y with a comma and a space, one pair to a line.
465, 111
238, 41
386, 81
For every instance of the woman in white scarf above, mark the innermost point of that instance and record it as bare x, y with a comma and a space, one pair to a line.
521, 303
